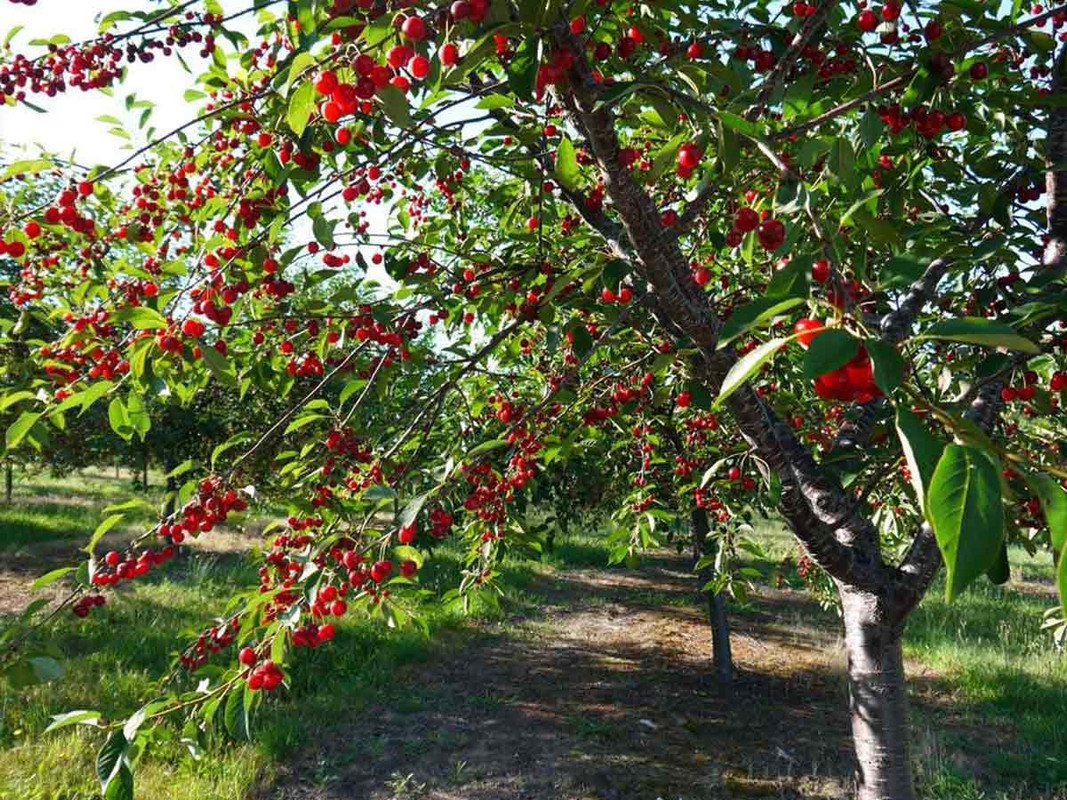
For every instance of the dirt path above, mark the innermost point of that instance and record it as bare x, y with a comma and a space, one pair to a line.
604, 697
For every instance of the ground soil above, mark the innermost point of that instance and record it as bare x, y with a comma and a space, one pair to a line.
606, 696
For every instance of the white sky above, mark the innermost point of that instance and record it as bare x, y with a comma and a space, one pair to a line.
70, 128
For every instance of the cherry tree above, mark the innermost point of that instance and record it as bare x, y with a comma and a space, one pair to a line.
803, 242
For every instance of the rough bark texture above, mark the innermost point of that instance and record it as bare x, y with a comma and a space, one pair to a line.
722, 659
877, 698
1056, 175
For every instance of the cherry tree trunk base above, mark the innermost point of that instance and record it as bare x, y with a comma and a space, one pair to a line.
877, 700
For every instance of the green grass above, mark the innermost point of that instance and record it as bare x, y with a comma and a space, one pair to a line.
49, 509
995, 671
114, 660
988, 681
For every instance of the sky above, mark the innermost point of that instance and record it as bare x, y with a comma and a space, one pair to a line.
71, 128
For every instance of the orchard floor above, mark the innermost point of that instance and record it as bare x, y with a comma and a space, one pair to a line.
605, 694
588, 683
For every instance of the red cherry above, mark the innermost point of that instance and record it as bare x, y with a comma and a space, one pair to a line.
820, 271
449, 54
979, 71
420, 67
734, 473
381, 570
867, 21
113, 558
408, 568
956, 121
746, 220
326, 82
683, 400
808, 329
32, 229
247, 656
193, 328
414, 28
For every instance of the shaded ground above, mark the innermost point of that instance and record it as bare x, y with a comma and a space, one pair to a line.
605, 696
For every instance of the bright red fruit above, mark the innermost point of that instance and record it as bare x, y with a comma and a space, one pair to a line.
820, 271
247, 656
684, 399
747, 220
867, 21
381, 570
414, 28
408, 568
807, 328
326, 82
449, 54
193, 328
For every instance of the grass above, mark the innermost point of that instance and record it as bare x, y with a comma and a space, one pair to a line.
986, 681
135, 641
50, 509
989, 668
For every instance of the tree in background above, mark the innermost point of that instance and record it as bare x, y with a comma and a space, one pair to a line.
818, 223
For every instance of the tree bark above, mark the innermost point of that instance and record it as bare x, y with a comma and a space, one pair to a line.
722, 658
877, 698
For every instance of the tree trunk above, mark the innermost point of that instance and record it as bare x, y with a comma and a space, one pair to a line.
722, 659
877, 699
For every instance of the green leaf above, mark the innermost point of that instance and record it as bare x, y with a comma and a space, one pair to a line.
51, 577
119, 419
406, 553
486, 447
1000, 572
395, 105
753, 314
18, 429
350, 389
841, 162
522, 68
234, 716
746, 367
1061, 580
964, 508
567, 165
15, 397
828, 351
301, 107
791, 280
181, 469
72, 718
101, 529
233, 441
981, 331
301, 62
1053, 499
142, 318
739, 124
888, 365
111, 757
412, 509
583, 342
221, 367
138, 416
921, 450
